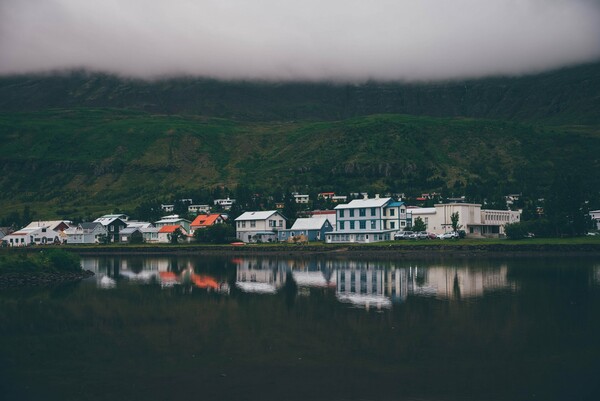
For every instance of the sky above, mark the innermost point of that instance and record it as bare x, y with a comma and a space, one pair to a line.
299, 40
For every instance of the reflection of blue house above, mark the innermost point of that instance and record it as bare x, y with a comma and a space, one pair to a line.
313, 228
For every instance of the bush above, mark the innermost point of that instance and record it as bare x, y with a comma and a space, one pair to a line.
56, 260
215, 234
60, 260
515, 231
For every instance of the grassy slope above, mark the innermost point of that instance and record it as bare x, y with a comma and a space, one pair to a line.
91, 160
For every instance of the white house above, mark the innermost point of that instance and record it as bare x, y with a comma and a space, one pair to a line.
259, 226
38, 233
199, 209
595, 215
224, 204
368, 220
150, 234
301, 198
85, 233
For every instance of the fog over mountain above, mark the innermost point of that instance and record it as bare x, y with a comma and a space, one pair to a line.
340, 40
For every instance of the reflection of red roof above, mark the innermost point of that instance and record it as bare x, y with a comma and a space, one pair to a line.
169, 229
205, 220
202, 281
168, 276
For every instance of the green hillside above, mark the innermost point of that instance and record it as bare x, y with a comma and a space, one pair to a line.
85, 161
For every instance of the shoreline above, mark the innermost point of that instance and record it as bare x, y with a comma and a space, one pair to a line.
538, 249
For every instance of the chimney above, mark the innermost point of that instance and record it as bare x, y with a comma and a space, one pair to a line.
365, 196
376, 196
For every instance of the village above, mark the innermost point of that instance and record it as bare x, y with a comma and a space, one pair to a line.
363, 219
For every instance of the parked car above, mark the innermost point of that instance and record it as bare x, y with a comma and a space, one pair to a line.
413, 235
402, 235
432, 236
448, 235
422, 235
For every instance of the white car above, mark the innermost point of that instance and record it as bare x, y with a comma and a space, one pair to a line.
448, 235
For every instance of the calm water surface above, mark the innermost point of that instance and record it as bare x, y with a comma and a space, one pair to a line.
277, 328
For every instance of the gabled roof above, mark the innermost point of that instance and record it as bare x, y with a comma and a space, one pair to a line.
258, 215
170, 229
129, 230
359, 203
146, 230
171, 219
109, 219
51, 224
90, 226
395, 204
204, 220
315, 223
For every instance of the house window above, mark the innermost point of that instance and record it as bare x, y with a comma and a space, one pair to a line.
373, 224
392, 224
243, 224
253, 224
402, 223
402, 210
392, 212
352, 225
280, 223
341, 213
373, 211
363, 224
362, 212
341, 225
351, 212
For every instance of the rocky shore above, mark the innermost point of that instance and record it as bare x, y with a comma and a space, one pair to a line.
412, 250
14, 280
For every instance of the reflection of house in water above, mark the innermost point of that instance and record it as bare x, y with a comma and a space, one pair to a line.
165, 271
362, 287
260, 276
454, 283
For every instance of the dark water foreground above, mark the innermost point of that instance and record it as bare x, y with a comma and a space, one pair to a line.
218, 328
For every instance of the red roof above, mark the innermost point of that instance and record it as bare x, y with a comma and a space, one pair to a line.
169, 229
205, 220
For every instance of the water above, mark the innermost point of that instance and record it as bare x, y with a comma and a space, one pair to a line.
283, 328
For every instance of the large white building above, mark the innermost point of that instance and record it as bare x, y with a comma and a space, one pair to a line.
368, 220
475, 221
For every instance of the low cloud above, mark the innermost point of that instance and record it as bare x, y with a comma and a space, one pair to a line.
342, 40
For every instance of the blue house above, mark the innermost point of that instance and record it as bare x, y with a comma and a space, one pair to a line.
313, 228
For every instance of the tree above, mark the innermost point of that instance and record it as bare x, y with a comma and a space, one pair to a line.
419, 225
215, 234
515, 230
175, 236
454, 217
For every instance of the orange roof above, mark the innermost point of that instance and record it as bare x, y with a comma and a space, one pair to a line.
205, 220
169, 229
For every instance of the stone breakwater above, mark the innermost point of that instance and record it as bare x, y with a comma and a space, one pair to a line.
12, 280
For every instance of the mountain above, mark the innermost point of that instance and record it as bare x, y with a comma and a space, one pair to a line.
82, 143
565, 96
